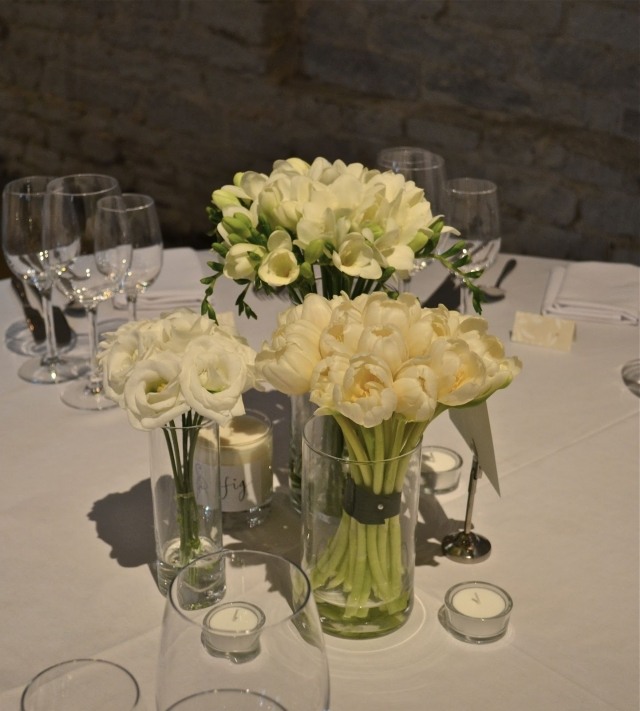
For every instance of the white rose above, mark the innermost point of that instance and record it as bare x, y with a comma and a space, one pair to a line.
213, 377
152, 395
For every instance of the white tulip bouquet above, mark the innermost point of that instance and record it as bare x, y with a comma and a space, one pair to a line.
324, 228
383, 369
180, 368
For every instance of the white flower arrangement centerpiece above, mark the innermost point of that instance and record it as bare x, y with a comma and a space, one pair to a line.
179, 374
325, 228
383, 369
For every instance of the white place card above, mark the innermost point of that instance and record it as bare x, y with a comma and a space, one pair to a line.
474, 426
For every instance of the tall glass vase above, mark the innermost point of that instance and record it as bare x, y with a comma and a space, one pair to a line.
359, 517
184, 458
301, 410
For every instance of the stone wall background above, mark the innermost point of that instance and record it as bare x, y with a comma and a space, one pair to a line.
174, 96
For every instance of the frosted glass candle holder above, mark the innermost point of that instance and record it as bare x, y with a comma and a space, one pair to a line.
477, 612
440, 469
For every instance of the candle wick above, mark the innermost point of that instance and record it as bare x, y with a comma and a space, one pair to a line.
235, 614
476, 598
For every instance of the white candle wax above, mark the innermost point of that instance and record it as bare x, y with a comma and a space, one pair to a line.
478, 602
440, 469
477, 612
246, 449
439, 459
233, 628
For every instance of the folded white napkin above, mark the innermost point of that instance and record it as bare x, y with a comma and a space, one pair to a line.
177, 285
594, 291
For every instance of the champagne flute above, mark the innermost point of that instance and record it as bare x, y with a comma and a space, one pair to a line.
90, 255
22, 208
471, 205
146, 240
241, 631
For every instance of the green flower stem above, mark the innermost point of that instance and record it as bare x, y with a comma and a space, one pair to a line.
181, 455
365, 560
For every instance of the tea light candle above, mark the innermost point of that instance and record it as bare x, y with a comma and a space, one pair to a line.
246, 448
233, 629
477, 612
440, 469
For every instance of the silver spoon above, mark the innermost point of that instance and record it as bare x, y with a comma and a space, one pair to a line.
495, 293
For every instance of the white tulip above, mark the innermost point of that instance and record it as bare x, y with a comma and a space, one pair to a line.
366, 394
416, 387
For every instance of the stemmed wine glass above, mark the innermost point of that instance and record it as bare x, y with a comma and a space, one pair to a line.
22, 208
471, 206
241, 631
146, 241
426, 169
90, 255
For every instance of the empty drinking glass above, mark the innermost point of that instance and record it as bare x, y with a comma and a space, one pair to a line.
22, 211
241, 631
90, 253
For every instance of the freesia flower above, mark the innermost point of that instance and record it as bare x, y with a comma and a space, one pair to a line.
349, 225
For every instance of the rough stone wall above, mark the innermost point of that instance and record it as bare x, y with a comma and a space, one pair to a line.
174, 96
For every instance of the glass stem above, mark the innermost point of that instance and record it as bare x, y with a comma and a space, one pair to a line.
132, 306
51, 355
95, 375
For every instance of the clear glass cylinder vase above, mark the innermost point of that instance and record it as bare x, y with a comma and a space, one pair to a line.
184, 458
359, 519
301, 410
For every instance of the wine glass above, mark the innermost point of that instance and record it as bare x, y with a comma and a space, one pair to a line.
89, 684
471, 206
90, 254
22, 208
146, 240
426, 169
241, 631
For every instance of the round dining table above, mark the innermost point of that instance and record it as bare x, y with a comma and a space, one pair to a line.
76, 529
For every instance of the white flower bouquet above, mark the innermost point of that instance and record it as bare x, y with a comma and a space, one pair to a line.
176, 373
324, 228
382, 369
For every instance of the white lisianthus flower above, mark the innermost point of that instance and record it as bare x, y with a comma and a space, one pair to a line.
161, 368
213, 378
152, 395
243, 259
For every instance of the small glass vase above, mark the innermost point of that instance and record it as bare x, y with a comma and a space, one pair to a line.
185, 484
359, 540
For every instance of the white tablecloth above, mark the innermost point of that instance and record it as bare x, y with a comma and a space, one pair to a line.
76, 533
